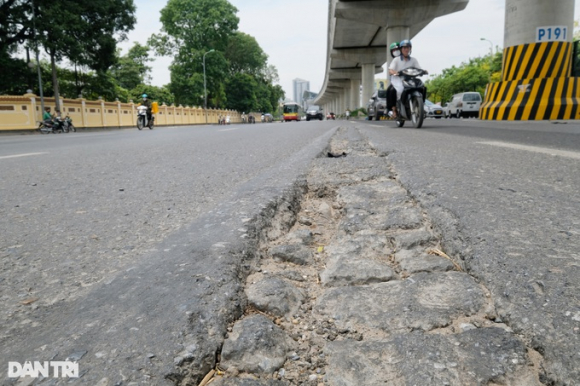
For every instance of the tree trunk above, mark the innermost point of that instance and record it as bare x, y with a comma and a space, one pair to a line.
54, 80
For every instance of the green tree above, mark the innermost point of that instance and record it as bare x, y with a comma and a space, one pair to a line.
15, 25
190, 29
154, 93
195, 25
131, 69
187, 78
245, 55
241, 89
85, 32
471, 76
20, 76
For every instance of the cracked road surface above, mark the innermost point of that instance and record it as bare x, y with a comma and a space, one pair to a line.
434, 256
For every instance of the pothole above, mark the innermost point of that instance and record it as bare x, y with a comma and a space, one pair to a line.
359, 289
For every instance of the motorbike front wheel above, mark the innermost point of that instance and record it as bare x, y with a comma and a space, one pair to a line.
417, 114
140, 120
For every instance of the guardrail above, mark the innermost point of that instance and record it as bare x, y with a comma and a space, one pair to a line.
23, 113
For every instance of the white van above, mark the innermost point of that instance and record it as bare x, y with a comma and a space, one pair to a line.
465, 104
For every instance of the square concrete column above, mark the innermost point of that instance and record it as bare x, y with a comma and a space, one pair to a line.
354, 94
368, 81
346, 97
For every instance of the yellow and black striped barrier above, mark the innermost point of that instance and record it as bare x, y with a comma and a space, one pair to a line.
537, 61
536, 85
532, 99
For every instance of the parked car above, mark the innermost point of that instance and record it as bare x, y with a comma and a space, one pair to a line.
314, 112
330, 116
433, 110
465, 104
376, 108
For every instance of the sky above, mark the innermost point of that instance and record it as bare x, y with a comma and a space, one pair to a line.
294, 36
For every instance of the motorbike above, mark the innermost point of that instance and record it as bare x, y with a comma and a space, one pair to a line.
410, 106
53, 126
68, 124
142, 118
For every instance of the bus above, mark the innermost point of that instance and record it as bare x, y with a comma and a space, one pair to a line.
292, 111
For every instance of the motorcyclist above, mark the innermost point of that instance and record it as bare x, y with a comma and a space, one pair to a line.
391, 92
146, 102
405, 61
47, 117
57, 119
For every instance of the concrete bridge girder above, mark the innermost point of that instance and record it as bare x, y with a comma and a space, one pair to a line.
361, 54
359, 34
349, 73
396, 12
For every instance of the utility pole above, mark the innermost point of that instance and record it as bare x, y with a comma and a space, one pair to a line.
37, 59
204, 86
490, 56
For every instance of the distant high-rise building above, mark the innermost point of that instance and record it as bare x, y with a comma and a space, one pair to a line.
300, 85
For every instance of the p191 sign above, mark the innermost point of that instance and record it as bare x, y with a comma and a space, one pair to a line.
558, 33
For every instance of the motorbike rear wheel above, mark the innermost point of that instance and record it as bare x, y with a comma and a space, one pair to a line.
417, 114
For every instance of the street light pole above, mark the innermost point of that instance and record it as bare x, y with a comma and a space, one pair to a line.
37, 61
490, 55
204, 86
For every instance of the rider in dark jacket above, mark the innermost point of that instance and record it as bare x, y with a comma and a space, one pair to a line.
147, 102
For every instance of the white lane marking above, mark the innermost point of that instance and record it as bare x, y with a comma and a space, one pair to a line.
21, 155
535, 149
233, 128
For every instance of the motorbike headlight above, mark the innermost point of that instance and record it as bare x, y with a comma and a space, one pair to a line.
411, 71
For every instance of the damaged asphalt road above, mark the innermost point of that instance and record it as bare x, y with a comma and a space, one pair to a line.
416, 257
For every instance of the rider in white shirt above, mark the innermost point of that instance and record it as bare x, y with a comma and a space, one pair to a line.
402, 62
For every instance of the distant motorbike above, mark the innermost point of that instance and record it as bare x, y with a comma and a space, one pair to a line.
68, 124
142, 118
50, 127
410, 106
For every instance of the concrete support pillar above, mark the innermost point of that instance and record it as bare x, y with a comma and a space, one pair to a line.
537, 61
346, 97
522, 17
368, 81
354, 94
